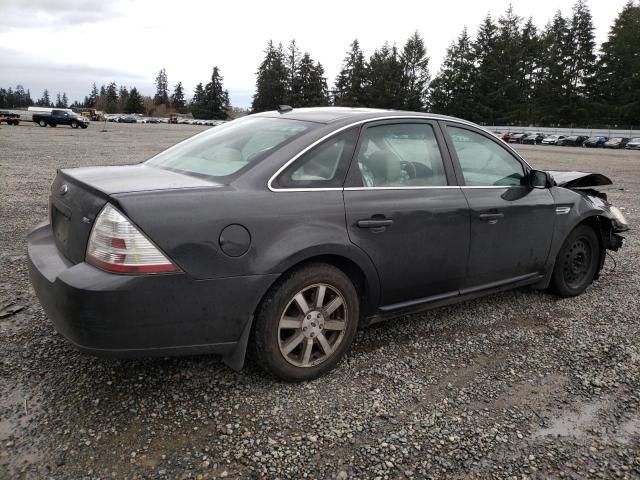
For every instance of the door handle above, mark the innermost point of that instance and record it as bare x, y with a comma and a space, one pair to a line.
374, 223
491, 218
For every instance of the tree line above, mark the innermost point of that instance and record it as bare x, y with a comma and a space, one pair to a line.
510, 73
210, 101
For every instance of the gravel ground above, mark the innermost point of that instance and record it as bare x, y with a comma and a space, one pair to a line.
516, 385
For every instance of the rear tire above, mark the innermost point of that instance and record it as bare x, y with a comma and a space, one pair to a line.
306, 323
74, 124
577, 262
42, 123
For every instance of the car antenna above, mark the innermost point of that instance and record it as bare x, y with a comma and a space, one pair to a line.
284, 108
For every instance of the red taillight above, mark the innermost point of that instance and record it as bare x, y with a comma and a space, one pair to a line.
116, 245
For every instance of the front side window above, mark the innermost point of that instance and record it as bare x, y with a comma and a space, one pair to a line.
401, 155
225, 150
324, 166
483, 161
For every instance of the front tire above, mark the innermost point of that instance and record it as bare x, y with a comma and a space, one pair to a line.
577, 262
306, 323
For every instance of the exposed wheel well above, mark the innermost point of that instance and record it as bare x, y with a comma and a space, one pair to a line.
348, 267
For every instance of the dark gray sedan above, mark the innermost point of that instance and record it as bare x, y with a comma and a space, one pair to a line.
286, 231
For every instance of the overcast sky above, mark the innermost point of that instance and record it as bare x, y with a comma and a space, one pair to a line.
66, 45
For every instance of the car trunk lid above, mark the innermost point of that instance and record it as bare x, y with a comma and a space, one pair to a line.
78, 195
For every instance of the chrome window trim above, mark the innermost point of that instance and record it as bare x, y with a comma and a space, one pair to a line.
377, 119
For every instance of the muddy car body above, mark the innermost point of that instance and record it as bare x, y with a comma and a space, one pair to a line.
291, 229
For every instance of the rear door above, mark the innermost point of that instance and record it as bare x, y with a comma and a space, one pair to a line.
511, 223
404, 210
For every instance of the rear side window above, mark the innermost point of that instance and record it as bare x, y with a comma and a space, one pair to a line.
225, 150
401, 155
324, 166
483, 161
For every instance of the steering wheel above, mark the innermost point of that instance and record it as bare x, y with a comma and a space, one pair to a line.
404, 164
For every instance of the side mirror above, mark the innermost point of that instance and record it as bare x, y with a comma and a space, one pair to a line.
539, 179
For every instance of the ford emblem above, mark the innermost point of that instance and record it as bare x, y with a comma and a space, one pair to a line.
63, 189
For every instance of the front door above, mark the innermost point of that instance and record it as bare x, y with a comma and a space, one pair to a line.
404, 210
511, 223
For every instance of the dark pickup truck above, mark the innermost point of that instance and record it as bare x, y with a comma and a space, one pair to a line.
9, 118
60, 117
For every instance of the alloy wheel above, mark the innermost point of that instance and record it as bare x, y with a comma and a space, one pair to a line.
312, 325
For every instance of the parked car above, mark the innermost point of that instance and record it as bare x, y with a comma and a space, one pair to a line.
616, 142
60, 117
506, 137
9, 118
552, 139
127, 119
594, 142
633, 144
517, 137
292, 229
533, 138
571, 141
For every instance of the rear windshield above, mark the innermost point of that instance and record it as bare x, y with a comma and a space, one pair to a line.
225, 150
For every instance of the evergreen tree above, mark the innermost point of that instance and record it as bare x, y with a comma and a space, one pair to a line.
177, 99
198, 102
293, 80
272, 79
123, 97
111, 98
530, 64
65, 100
511, 73
313, 90
619, 70
45, 100
415, 73
485, 77
58, 101
162, 89
451, 92
554, 86
582, 39
217, 98
351, 81
581, 65
92, 99
134, 103
384, 87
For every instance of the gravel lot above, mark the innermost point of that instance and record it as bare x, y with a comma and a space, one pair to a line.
516, 385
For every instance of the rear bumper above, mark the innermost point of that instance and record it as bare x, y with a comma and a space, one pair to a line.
140, 315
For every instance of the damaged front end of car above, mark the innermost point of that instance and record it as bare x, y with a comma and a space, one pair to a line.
594, 206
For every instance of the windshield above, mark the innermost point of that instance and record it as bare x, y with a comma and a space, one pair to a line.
616, 139
634, 140
226, 149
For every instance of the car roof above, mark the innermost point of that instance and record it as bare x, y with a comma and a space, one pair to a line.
327, 115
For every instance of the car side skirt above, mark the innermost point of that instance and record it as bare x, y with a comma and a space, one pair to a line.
390, 311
